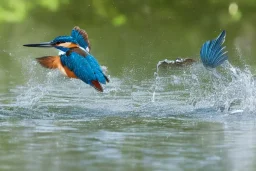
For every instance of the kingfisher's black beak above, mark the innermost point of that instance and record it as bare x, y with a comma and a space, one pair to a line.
44, 45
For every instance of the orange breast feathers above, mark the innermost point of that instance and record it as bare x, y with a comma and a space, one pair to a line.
53, 62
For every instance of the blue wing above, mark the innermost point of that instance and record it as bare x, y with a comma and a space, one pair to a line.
213, 53
96, 69
85, 68
79, 66
81, 37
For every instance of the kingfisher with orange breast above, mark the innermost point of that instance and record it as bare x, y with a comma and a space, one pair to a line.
76, 60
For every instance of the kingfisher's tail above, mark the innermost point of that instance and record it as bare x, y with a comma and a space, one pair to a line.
213, 53
95, 84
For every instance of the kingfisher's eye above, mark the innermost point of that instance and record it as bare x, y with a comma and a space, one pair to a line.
58, 43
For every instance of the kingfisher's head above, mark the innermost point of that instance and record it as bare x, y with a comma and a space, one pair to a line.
63, 43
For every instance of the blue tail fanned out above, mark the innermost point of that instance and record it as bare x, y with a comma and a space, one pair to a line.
213, 53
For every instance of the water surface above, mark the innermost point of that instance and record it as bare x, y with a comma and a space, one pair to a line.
185, 118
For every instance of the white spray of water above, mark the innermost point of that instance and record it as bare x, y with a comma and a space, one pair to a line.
227, 88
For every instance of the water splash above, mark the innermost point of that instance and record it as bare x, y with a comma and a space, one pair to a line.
170, 76
230, 91
155, 85
173, 91
227, 89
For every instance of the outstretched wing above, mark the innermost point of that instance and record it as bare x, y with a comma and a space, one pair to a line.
81, 37
213, 53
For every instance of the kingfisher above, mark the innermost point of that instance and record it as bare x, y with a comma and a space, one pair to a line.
213, 53
76, 61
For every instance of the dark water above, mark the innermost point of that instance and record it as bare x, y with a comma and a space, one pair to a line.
175, 119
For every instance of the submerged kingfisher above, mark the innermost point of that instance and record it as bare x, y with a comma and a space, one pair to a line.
75, 61
213, 53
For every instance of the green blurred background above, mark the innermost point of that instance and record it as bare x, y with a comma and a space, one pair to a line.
128, 36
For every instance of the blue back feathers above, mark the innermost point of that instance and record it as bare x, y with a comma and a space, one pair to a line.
81, 37
85, 68
213, 53
96, 69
